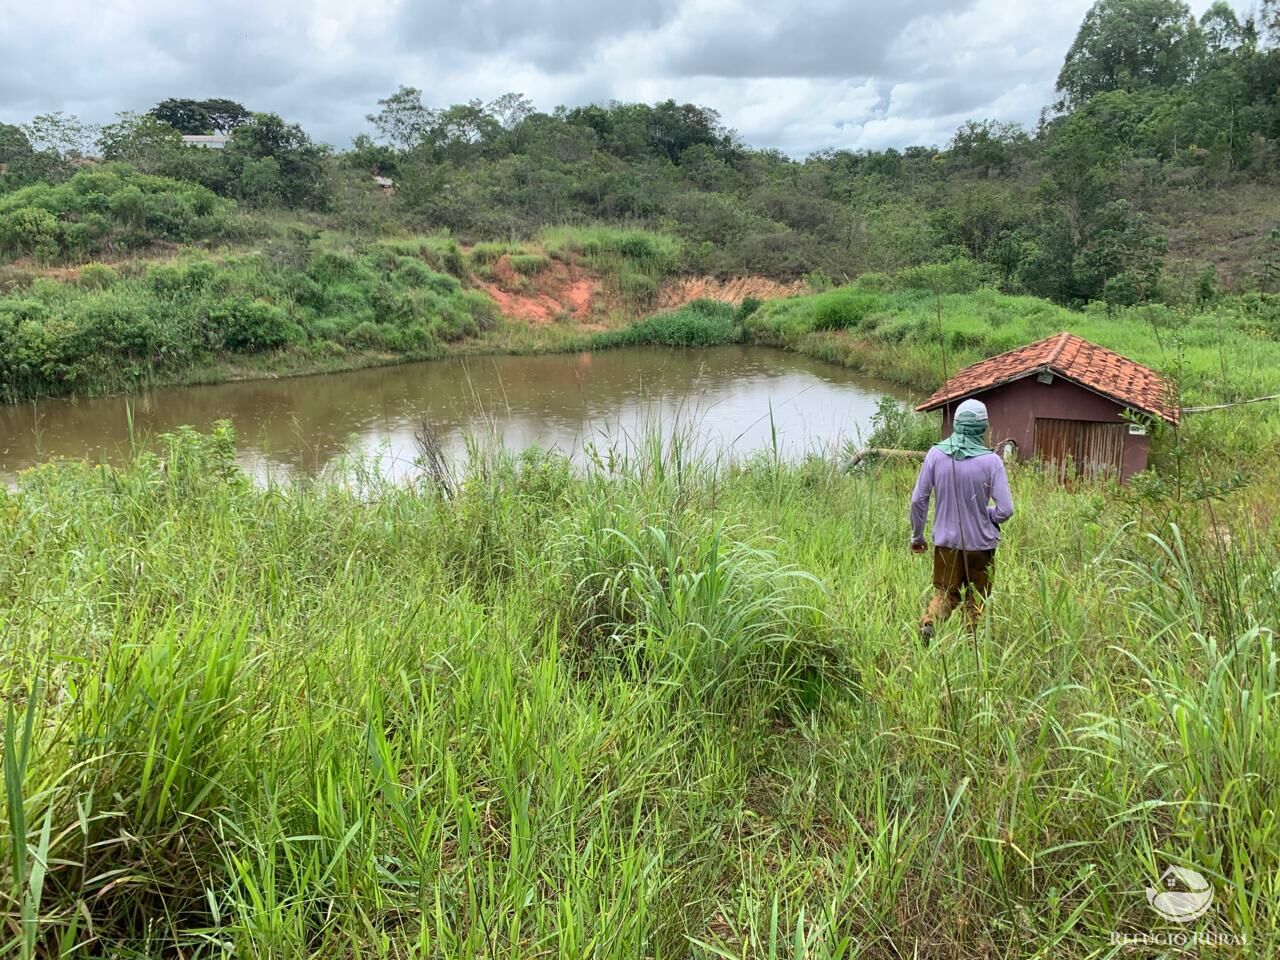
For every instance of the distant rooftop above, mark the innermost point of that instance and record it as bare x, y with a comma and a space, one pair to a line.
215, 141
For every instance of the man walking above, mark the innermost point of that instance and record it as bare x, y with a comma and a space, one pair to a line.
973, 499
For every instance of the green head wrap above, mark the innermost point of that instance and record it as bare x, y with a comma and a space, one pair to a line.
967, 430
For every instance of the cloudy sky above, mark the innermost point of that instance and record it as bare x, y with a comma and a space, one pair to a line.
798, 76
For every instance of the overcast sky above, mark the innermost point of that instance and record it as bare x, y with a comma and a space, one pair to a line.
798, 76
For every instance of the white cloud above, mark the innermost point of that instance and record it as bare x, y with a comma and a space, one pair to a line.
798, 77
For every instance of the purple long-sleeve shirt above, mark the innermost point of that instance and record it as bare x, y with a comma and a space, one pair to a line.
972, 501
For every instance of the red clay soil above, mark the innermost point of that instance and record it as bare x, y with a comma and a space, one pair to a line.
563, 291
558, 291
733, 290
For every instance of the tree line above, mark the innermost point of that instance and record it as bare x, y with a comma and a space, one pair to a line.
1153, 104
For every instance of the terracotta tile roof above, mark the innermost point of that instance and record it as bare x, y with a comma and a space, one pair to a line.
1072, 358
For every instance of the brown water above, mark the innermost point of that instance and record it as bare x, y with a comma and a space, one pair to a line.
728, 398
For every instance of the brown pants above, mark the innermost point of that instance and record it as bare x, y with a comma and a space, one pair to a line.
959, 576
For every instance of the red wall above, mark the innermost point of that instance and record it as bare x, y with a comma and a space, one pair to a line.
1013, 407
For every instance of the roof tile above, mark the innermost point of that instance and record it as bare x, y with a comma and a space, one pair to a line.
1073, 358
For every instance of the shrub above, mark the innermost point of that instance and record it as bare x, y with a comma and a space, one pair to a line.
843, 309
108, 205
242, 324
181, 280
116, 326
637, 289
97, 276
487, 254
367, 336
746, 308
30, 231
702, 323
330, 268
960, 275
896, 426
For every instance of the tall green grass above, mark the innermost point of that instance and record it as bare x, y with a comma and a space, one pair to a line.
702, 323
889, 328
632, 262
657, 708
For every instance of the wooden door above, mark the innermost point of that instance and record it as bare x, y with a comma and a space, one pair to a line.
1079, 447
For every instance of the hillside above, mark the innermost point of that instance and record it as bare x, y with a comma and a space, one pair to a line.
428, 697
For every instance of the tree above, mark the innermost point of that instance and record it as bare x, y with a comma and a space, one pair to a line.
140, 140
194, 118
298, 176
510, 110
674, 128
403, 119
1130, 45
1221, 28
225, 115
1122, 260
463, 129
1269, 21
988, 146
188, 117
20, 164
62, 134
14, 145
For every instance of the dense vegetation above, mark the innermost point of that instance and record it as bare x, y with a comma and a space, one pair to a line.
662, 709
107, 211
1163, 120
1151, 181
308, 302
667, 705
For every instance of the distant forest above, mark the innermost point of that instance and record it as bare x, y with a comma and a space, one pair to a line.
1116, 195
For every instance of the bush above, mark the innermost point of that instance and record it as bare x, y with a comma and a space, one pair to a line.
843, 309
245, 325
895, 426
108, 205
330, 268
487, 254
97, 276
30, 232
702, 323
960, 275
115, 327
367, 336
611, 250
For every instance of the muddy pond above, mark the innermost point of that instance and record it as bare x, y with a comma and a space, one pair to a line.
734, 400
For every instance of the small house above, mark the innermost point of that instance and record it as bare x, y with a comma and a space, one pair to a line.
1067, 402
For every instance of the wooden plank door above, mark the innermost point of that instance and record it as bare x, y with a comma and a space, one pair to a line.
1079, 447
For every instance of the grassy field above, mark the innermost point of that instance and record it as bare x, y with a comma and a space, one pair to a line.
905, 329
659, 709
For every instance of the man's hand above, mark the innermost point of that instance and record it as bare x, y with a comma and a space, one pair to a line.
917, 546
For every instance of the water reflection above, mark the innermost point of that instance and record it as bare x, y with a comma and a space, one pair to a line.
737, 398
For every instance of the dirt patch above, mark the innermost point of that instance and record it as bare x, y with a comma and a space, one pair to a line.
733, 290
563, 291
557, 292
